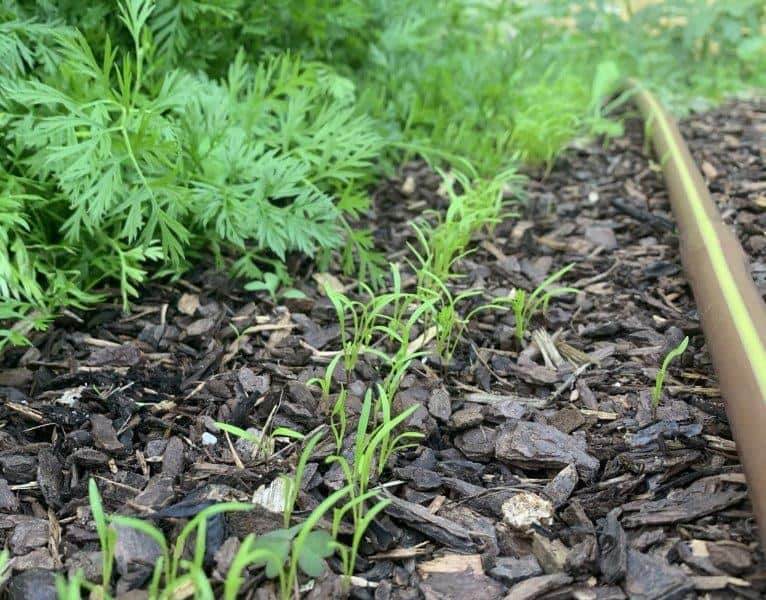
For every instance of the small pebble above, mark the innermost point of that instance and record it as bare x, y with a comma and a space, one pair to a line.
208, 439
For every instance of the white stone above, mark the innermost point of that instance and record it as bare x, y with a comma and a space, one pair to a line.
526, 509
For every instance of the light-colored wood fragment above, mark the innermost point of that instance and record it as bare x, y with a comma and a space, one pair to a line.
452, 563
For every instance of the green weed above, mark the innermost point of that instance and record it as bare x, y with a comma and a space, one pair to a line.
659, 380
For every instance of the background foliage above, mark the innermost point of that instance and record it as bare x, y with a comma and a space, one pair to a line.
136, 137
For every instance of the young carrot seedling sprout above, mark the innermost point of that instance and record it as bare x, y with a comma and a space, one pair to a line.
659, 382
526, 305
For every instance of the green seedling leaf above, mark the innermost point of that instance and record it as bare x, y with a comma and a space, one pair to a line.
4, 558
294, 483
269, 284
317, 547
157, 535
239, 432
659, 382
307, 528
606, 80
245, 557
198, 524
288, 433
106, 535
525, 305
293, 293
97, 510
277, 544
202, 588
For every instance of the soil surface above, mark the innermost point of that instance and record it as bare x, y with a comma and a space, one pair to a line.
542, 474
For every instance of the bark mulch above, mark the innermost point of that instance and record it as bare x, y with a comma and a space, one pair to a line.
542, 474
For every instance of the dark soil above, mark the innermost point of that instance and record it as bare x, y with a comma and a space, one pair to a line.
538, 477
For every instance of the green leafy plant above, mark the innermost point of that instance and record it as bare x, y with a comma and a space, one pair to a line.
116, 164
659, 380
366, 318
293, 484
325, 382
362, 316
399, 330
272, 284
21, 319
381, 326
171, 572
525, 305
339, 420
138, 141
349, 553
373, 449
449, 325
301, 546
107, 537
358, 256
472, 207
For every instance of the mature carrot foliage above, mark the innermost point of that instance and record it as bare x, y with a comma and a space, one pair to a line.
139, 135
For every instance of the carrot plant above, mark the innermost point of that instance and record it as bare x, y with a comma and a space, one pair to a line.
473, 206
264, 444
525, 305
143, 135
171, 574
282, 553
116, 163
659, 381
364, 318
373, 448
339, 420
444, 316
107, 537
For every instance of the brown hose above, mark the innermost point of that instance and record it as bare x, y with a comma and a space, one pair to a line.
732, 312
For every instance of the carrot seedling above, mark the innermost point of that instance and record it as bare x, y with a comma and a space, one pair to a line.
659, 382
526, 305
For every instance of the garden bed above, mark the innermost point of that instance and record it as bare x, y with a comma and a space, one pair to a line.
534, 478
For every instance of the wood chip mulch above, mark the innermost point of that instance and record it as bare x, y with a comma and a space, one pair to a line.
541, 474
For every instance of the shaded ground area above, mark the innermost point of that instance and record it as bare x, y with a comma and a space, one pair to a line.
546, 471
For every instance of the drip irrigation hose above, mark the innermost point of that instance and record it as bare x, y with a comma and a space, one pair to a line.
732, 313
